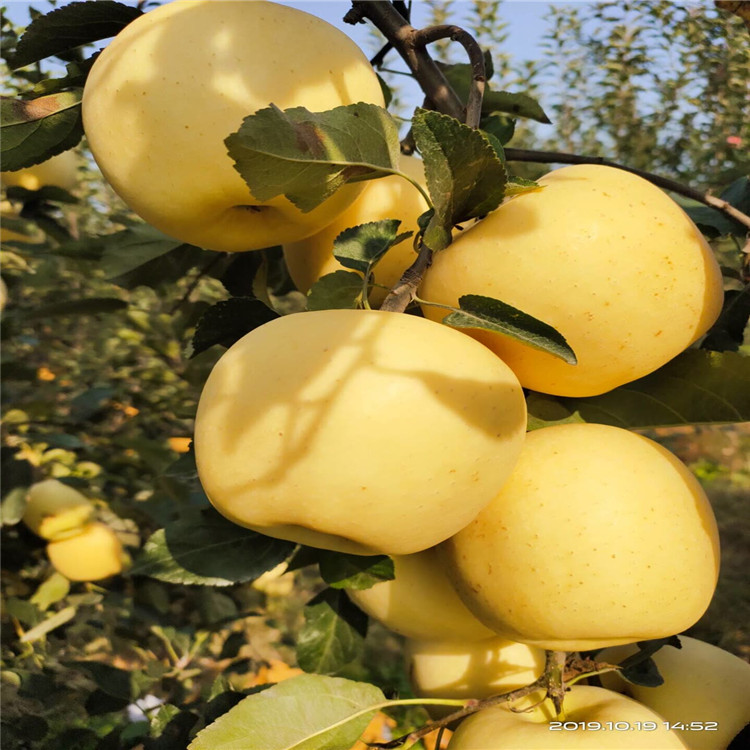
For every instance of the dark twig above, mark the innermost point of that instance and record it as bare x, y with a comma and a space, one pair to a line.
401, 34
556, 157
194, 283
405, 290
476, 59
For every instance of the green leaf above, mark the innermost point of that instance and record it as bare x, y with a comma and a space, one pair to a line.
90, 402
309, 712
697, 387
71, 26
90, 306
333, 633
47, 626
119, 683
134, 246
640, 668
546, 411
51, 591
228, 321
36, 130
340, 290
208, 550
342, 571
493, 315
307, 156
518, 186
361, 247
499, 126
728, 333
517, 105
464, 176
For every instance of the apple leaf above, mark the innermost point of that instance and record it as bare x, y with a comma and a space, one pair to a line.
228, 321
71, 26
307, 156
361, 247
545, 411
89, 306
499, 126
490, 314
514, 104
308, 712
342, 571
465, 177
36, 130
518, 186
728, 333
640, 668
132, 247
333, 633
206, 549
340, 290
714, 223
697, 387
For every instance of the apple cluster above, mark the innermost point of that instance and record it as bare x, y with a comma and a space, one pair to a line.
79, 547
371, 432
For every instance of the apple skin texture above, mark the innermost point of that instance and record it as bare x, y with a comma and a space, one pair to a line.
461, 670
177, 81
599, 537
603, 256
359, 431
91, 555
702, 683
499, 728
420, 602
54, 509
385, 198
59, 171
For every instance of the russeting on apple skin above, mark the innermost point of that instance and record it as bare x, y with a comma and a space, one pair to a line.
175, 83
361, 431
603, 256
599, 537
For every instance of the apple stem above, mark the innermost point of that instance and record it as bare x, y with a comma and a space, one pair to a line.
554, 673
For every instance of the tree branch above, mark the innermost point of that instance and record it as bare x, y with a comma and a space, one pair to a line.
557, 157
402, 35
476, 59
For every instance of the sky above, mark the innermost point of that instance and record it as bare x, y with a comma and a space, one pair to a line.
526, 18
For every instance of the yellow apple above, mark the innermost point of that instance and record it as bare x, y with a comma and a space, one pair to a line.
59, 171
461, 670
162, 97
386, 198
594, 718
54, 509
702, 683
357, 430
600, 537
603, 256
420, 602
92, 554
3, 295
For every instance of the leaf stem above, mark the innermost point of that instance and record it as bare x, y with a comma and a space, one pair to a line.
558, 157
405, 290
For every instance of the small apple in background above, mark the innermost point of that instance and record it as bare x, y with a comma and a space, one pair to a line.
55, 509
599, 537
632, 726
702, 683
173, 84
603, 256
386, 198
421, 604
90, 555
359, 431
464, 670
59, 171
